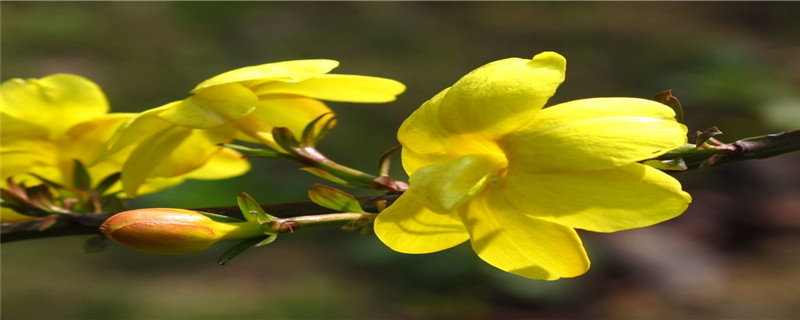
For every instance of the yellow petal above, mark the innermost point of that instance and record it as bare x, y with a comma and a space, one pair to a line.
425, 142
444, 186
13, 129
56, 102
8, 215
224, 164
85, 141
514, 242
137, 129
338, 87
148, 155
293, 112
212, 107
611, 200
502, 96
407, 227
595, 134
193, 152
27, 156
289, 71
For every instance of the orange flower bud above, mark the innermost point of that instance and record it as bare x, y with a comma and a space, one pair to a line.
173, 231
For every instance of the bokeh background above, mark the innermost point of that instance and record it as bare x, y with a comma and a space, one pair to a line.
734, 254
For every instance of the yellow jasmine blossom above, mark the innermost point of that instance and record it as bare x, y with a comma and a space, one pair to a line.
49, 122
244, 104
487, 164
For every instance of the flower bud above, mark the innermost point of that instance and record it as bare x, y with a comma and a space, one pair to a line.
173, 231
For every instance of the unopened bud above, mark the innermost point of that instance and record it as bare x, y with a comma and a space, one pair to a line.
173, 231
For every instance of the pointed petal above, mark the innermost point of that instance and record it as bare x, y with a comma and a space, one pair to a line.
444, 186
194, 151
514, 242
611, 200
56, 102
338, 87
595, 134
502, 96
148, 155
212, 107
137, 129
407, 227
289, 71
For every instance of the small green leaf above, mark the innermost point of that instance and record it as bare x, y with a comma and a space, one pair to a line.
310, 134
326, 127
107, 183
325, 175
51, 183
251, 209
80, 176
334, 199
703, 136
219, 217
256, 153
96, 244
238, 248
269, 239
354, 225
285, 138
671, 164
668, 99
385, 160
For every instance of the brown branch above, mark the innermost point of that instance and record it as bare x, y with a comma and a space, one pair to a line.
89, 223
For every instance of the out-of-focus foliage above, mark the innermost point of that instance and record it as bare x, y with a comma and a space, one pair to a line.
733, 65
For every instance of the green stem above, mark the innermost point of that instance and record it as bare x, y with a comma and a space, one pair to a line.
760, 147
290, 224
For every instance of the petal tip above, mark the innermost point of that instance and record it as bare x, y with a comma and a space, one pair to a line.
551, 59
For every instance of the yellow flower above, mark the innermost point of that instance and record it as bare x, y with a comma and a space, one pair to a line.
487, 164
173, 231
242, 104
48, 122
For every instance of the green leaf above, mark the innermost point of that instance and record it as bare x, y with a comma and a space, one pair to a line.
285, 138
51, 183
385, 160
668, 99
251, 209
329, 124
96, 244
334, 199
219, 217
703, 136
238, 248
310, 135
326, 175
255, 153
107, 183
80, 176
354, 225
269, 239
671, 164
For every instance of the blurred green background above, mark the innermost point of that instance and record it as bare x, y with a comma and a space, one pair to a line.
733, 254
